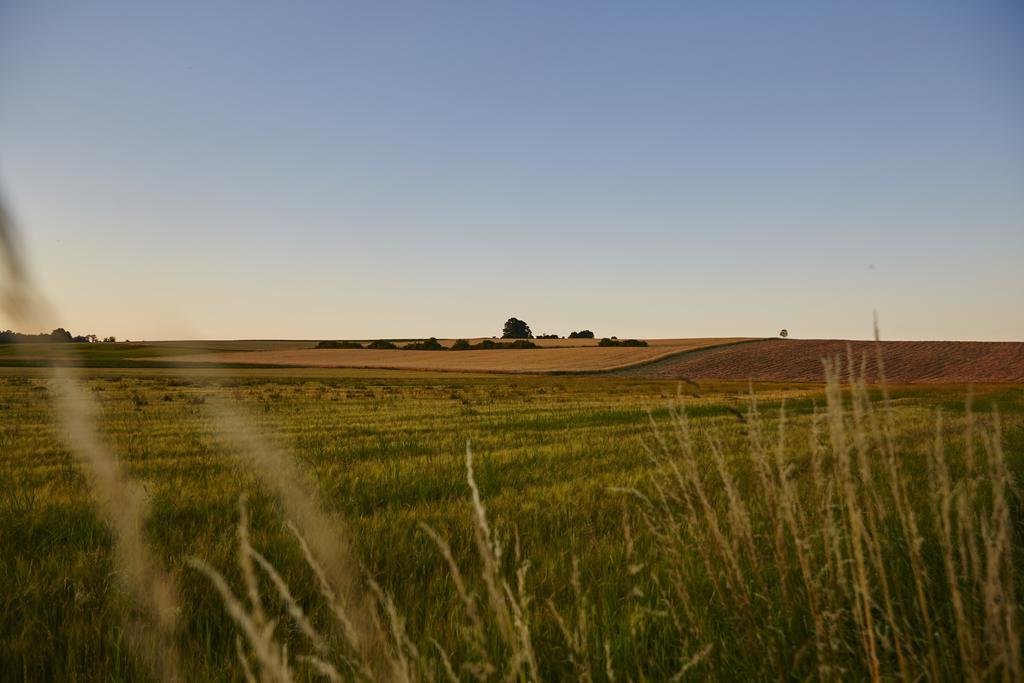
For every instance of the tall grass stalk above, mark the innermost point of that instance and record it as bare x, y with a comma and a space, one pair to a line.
324, 540
857, 561
152, 626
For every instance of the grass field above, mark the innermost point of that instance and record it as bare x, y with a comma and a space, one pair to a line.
774, 571
134, 353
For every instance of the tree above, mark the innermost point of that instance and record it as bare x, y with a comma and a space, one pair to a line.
582, 334
783, 333
61, 335
110, 340
516, 329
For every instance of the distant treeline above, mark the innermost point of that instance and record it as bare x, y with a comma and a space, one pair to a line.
519, 329
59, 335
464, 345
621, 342
431, 344
339, 345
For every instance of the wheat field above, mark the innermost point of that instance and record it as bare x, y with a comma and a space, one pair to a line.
555, 355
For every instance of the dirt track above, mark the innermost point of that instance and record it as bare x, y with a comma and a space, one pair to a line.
795, 360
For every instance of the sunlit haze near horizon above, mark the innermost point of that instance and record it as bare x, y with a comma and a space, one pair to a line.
363, 170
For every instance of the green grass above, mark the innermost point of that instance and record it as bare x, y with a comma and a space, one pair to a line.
130, 354
386, 451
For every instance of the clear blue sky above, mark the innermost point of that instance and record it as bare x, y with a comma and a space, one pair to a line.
375, 169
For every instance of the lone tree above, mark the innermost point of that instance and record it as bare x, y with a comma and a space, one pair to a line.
516, 329
783, 333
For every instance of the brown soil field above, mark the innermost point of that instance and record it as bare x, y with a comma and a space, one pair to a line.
580, 358
794, 360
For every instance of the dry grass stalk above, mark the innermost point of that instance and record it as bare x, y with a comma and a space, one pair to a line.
123, 504
508, 602
509, 605
324, 533
851, 545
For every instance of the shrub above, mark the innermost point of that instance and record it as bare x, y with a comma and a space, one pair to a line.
461, 345
582, 334
339, 345
547, 336
622, 342
520, 344
381, 344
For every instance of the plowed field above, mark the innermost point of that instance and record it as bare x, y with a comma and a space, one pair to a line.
795, 360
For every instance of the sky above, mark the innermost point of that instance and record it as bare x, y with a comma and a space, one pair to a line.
312, 170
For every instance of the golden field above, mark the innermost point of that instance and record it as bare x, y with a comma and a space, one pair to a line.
555, 355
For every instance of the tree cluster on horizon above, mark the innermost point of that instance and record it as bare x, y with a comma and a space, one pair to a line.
59, 335
518, 329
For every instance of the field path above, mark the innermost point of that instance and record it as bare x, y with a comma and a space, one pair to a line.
800, 360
